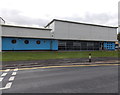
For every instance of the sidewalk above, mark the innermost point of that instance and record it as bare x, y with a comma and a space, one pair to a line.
62, 63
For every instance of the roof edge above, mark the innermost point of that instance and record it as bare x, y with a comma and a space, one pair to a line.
50, 22
79, 23
25, 27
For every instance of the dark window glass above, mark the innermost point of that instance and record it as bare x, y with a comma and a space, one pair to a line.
76, 43
38, 42
62, 43
26, 42
13, 41
69, 43
90, 44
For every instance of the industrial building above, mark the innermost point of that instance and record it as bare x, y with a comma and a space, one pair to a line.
59, 35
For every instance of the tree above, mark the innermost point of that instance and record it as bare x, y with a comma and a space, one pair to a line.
118, 36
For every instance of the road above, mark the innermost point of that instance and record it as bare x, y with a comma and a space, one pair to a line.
79, 79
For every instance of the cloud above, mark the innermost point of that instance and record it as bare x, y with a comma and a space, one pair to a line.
102, 19
16, 17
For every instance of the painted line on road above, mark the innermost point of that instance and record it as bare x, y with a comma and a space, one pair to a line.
8, 85
52, 67
14, 73
1, 79
7, 70
4, 74
63, 66
66, 66
12, 78
15, 69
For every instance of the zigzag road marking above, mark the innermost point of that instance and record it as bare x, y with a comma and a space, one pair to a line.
9, 84
4, 74
11, 78
1, 79
14, 73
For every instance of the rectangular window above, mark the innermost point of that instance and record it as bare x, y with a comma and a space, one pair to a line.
62, 43
90, 44
76, 44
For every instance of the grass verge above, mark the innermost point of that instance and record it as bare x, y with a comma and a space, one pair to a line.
17, 56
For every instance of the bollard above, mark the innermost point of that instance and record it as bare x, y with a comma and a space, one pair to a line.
89, 57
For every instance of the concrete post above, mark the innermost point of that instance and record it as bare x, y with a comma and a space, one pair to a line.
90, 57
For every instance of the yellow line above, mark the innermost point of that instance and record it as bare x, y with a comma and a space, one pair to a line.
64, 66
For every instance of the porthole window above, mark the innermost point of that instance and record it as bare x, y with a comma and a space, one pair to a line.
13, 41
26, 42
38, 42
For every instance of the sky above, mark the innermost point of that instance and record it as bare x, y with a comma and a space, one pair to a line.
38, 13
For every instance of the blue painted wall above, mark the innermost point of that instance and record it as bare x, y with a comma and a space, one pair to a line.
109, 45
45, 44
54, 44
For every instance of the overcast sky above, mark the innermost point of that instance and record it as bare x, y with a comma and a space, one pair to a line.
40, 12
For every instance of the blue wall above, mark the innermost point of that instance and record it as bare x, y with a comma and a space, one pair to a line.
109, 45
45, 44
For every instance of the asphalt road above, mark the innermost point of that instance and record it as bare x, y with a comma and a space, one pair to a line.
83, 79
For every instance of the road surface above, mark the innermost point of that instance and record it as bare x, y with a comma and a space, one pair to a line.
79, 79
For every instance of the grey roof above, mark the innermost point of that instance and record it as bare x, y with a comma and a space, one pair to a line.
78, 23
26, 27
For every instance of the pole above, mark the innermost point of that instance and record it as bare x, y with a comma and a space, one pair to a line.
89, 57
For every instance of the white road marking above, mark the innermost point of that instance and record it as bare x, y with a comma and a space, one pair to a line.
1, 79
7, 70
4, 74
14, 73
2, 88
11, 78
16, 69
8, 85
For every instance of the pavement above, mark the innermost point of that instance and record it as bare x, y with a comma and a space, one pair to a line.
57, 62
97, 78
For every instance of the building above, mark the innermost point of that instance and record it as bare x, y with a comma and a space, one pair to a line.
59, 35
117, 45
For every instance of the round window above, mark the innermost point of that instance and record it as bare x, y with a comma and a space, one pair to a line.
13, 41
26, 42
38, 42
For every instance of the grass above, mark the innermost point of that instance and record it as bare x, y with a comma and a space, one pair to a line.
16, 56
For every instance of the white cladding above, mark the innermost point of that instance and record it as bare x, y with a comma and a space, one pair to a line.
64, 30
75, 31
0, 39
52, 26
11, 31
